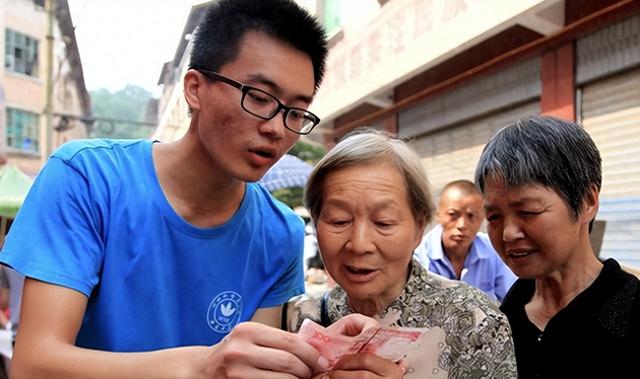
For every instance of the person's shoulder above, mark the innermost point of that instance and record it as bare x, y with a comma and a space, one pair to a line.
462, 294
466, 302
613, 267
483, 244
75, 149
99, 160
619, 282
518, 295
275, 209
620, 292
483, 248
302, 307
431, 247
435, 232
483, 238
625, 285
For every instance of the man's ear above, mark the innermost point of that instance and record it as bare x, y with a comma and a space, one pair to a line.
193, 81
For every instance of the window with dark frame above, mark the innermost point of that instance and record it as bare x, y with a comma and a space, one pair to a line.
21, 53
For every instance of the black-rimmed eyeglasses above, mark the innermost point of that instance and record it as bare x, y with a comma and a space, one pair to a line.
265, 106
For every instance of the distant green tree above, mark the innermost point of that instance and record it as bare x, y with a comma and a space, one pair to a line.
291, 196
128, 104
309, 153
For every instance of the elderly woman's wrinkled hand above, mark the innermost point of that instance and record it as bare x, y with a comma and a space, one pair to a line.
365, 365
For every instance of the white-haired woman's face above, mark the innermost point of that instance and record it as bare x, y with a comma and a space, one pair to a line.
366, 230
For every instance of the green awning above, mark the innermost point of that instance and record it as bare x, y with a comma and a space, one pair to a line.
14, 185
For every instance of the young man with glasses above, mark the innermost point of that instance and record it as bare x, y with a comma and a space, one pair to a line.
140, 256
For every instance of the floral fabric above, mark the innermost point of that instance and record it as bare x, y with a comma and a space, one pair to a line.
468, 338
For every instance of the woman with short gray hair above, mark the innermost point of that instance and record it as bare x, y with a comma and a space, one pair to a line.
571, 315
370, 201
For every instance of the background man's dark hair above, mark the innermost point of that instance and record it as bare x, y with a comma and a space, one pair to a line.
546, 151
218, 36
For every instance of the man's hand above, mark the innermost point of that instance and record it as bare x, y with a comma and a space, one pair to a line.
254, 350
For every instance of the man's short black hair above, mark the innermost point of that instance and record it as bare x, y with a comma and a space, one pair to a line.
218, 36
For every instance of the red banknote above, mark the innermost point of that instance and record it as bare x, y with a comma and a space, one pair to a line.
386, 342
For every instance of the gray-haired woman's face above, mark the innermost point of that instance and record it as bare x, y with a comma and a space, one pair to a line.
532, 228
366, 230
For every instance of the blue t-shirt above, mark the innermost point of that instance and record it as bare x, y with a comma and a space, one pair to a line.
482, 268
96, 221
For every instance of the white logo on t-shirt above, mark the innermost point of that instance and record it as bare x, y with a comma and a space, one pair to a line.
224, 311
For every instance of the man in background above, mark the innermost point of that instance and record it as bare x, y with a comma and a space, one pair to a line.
456, 250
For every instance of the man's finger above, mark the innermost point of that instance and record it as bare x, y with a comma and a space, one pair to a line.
283, 349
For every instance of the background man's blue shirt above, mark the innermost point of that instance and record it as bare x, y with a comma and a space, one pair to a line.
483, 268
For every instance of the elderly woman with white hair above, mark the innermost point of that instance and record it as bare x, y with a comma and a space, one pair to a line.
370, 201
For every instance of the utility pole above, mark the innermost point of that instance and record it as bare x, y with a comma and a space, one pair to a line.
49, 6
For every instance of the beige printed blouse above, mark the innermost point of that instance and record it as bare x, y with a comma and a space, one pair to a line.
468, 336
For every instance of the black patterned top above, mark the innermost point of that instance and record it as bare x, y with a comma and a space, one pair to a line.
596, 335
468, 337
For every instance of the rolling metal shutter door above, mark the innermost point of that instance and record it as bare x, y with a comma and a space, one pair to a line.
452, 153
610, 50
610, 112
516, 85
